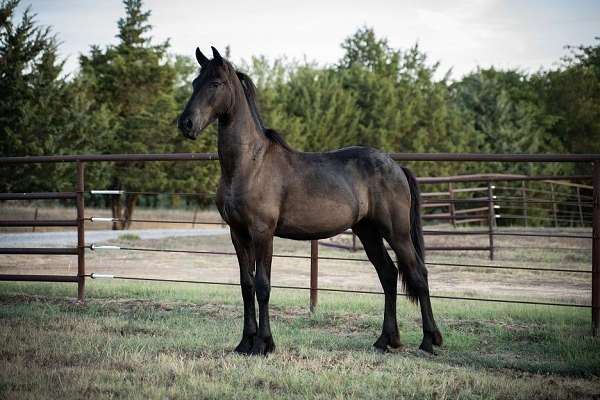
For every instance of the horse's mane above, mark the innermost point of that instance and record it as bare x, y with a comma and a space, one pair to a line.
250, 93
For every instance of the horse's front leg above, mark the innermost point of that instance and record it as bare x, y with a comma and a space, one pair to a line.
245, 254
263, 249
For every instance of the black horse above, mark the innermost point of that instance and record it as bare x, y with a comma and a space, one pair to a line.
269, 189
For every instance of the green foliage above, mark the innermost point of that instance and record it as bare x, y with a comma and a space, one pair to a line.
571, 95
34, 101
128, 237
506, 115
134, 81
318, 112
365, 50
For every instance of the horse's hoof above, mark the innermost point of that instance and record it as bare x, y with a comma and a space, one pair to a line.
426, 346
437, 338
245, 345
262, 347
429, 340
380, 349
386, 344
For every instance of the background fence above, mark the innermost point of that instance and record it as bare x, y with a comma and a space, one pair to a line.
570, 204
486, 199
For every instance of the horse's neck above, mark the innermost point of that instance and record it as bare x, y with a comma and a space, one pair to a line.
240, 144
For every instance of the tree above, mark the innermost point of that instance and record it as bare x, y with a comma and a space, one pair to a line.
135, 82
366, 50
401, 106
32, 113
320, 113
506, 115
570, 95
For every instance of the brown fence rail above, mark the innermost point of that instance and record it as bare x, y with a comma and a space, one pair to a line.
454, 215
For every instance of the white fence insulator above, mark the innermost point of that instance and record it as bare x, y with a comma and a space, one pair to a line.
496, 206
498, 216
107, 191
493, 187
103, 219
96, 275
96, 247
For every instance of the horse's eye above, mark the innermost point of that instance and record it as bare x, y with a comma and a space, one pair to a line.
215, 84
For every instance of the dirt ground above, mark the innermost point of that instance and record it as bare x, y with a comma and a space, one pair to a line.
564, 253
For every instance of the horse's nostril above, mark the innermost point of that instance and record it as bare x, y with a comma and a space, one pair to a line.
188, 123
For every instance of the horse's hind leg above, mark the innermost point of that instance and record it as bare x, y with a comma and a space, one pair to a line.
414, 276
388, 275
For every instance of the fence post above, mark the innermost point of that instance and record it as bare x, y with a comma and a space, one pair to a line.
596, 251
314, 274
553, 205
491, 218
80, 232
194, 219
579, 206
452, 207
524, 196
353, 241
35, 217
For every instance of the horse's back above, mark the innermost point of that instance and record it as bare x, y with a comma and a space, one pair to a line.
370, 167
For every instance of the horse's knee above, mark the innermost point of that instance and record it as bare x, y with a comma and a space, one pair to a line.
247, 282
263, 289
247, 285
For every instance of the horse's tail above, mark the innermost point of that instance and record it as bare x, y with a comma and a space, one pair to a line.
416, 232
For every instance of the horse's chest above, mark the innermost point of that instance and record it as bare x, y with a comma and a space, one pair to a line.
230, 210
228, 205
239, 207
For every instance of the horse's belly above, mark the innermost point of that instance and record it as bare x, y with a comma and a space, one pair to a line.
316, 219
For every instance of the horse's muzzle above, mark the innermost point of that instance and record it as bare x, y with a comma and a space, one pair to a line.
186, 127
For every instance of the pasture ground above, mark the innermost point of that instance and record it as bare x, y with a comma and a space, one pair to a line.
134, 340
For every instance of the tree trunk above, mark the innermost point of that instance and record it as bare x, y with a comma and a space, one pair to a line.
116, 212
130, 202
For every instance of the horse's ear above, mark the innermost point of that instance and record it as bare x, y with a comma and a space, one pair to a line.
216, 56
201, 58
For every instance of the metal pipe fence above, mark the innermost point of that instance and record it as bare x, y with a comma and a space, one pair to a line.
454, 215
313, 290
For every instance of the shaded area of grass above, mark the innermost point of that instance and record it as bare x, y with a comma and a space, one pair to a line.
129, 237
164, 340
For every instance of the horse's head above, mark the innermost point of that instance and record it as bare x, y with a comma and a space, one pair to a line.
212, 96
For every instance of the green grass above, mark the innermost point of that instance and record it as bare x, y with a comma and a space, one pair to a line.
128, 237
135, 340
